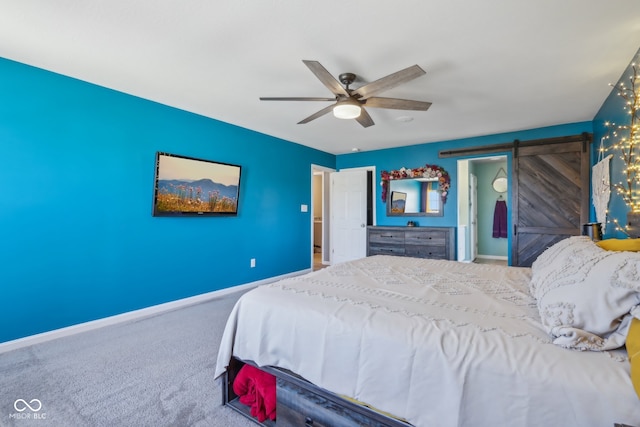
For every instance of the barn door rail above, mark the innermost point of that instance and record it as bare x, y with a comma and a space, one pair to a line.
514, 145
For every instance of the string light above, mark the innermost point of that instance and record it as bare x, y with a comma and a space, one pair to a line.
625, 140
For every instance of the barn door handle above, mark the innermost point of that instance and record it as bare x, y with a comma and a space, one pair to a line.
515, 229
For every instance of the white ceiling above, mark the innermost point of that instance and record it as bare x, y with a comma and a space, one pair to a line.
492, 65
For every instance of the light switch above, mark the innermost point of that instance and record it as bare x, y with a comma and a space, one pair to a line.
304, 208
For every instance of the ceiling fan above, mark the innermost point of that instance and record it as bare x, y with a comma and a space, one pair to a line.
350, 103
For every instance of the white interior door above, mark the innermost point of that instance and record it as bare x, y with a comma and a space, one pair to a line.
348, 215
473, 216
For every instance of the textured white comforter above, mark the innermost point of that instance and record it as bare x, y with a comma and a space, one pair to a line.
439, 343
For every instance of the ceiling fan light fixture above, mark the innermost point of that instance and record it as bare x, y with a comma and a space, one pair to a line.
350, 102
347, 109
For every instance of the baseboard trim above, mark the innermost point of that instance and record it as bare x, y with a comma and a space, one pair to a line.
502, 258
136, 314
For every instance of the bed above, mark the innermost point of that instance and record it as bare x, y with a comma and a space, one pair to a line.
443, 343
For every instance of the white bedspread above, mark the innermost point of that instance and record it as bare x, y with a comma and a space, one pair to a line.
439, 343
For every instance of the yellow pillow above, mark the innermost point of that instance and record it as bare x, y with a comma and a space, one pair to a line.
629, 245
633, 350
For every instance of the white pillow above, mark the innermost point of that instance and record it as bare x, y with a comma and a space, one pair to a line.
586, 295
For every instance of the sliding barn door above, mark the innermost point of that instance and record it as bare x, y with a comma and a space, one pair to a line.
550, 194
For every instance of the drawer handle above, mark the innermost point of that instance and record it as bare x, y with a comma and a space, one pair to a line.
308, 422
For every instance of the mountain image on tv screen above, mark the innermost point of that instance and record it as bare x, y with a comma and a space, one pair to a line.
186, 185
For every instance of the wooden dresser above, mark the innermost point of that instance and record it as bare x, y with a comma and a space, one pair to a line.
419, 242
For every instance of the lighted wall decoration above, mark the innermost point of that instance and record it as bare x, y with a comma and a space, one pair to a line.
625, 142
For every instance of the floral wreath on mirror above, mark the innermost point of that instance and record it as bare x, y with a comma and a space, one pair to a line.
426, 171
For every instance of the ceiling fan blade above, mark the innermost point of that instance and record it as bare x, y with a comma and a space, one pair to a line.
390, 81
397, 104
326, 78
364, 119
289, 98
314, 116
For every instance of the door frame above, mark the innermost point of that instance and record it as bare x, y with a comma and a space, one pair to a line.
473, 216
326, 208
464, 227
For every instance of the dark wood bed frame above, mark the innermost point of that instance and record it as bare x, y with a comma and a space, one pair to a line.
301, 403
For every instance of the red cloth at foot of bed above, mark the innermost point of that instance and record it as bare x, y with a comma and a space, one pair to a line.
256, 389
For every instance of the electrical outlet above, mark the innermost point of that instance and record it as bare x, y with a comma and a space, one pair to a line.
253, 262
304, 208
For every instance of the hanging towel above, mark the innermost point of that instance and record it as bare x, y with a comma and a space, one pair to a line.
500, 219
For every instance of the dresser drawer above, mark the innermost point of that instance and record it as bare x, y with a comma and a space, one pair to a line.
386, 250
431, 237
433, 252
418, 242
386, 237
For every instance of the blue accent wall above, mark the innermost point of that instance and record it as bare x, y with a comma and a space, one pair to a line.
612, 111
77, 238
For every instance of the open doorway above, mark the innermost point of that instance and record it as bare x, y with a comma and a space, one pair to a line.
479, 207
320, 216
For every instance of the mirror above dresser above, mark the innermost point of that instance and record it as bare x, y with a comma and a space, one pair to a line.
415, 192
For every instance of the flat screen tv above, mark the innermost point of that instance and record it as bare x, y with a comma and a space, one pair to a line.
186, 186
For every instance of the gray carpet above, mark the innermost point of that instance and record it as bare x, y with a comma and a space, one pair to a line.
157, 371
